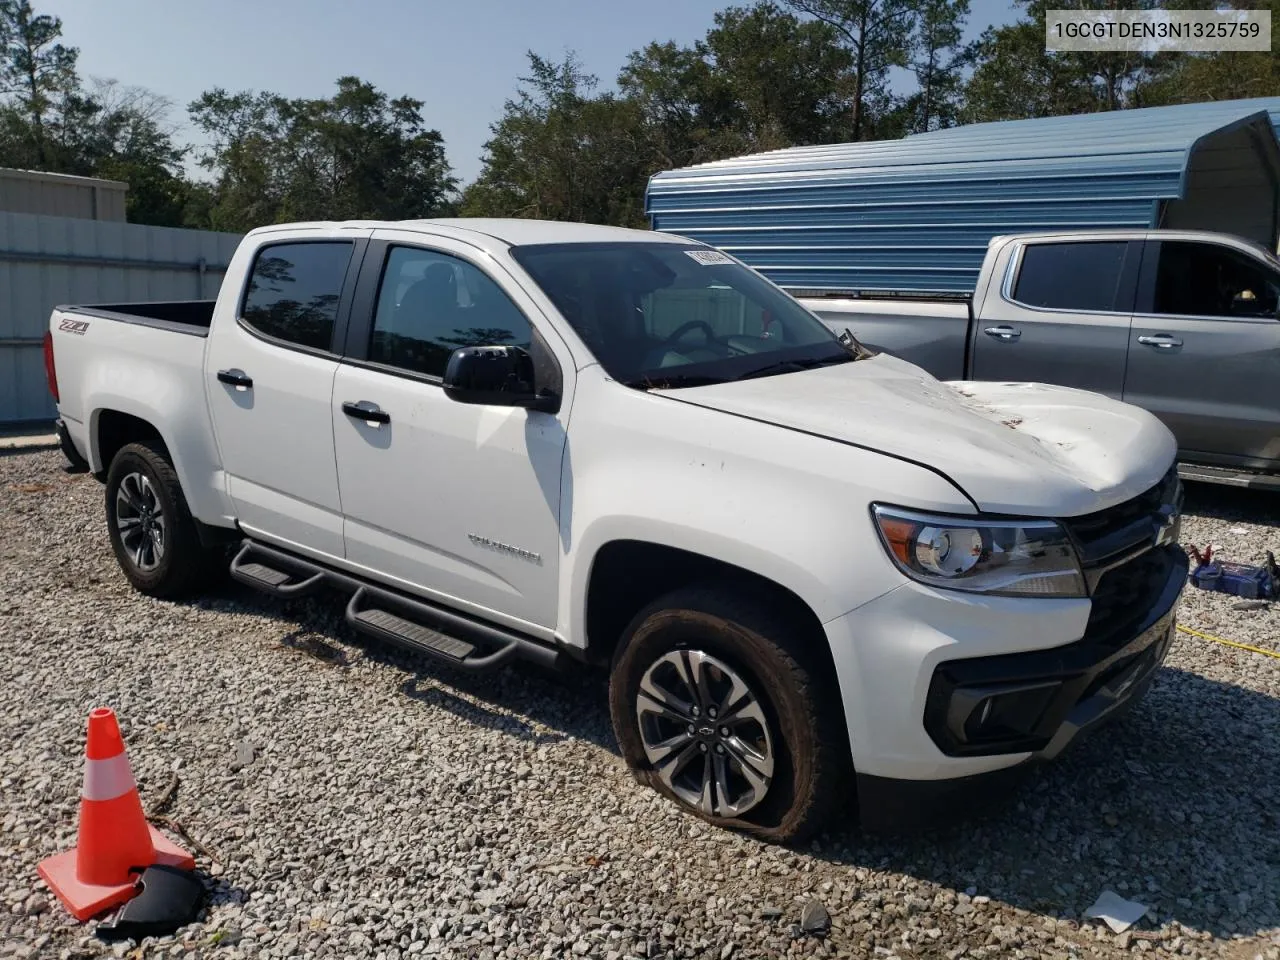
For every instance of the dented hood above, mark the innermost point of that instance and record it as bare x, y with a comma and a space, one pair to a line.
1022, 448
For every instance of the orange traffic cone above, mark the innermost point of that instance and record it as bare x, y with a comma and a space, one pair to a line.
115, 839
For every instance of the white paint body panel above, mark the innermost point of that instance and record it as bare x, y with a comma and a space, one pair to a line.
1014, 448
155, 375
774, 475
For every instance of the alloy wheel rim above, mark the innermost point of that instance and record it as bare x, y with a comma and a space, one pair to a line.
140, 521
705, 733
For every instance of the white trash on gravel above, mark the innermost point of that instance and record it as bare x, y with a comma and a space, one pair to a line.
1115, 911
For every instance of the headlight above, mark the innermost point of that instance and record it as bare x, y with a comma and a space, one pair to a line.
1020, 558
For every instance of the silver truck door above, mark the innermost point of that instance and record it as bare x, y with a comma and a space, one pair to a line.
1059, 313
1205, 350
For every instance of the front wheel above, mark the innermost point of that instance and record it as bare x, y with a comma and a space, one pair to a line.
720, 704
150, 526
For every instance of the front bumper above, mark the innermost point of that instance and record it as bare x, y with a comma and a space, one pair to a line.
1038, 702
917, 665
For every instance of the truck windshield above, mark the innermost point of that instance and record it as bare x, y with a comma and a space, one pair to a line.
662, 315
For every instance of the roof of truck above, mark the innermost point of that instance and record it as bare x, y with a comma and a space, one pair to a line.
519, 232
509, 232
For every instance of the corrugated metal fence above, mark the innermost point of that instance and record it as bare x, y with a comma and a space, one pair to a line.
46, 261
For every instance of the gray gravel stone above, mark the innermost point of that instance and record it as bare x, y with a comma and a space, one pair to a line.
459, 814
815, 919
244, 755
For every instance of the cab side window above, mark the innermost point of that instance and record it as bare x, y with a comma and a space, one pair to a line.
1084, 276
430, 304
294, 289
1209, 280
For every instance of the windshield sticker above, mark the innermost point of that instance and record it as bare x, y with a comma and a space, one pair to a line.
709, 258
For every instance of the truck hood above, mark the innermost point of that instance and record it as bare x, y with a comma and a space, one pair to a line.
1024, 448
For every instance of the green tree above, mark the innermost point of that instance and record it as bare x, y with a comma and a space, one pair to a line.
937, 59
760, 79
37, 75
1015, 77
689, 113
129, 138
1225, 75
785, 77
562, 152
359, 154
50, 120
877, 34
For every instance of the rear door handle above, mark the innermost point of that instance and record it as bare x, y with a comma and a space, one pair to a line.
366, 410
1161, 341
237, 378
1003, 332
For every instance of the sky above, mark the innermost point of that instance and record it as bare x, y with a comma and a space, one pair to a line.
463, 59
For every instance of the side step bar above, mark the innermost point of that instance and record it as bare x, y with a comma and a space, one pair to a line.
1229, 477
447, 635
290, 577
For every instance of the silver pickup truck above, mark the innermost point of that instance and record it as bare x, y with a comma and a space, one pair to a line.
1181, 322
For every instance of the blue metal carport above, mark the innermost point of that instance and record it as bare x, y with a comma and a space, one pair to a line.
916, 214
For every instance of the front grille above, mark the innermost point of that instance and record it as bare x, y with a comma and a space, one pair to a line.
1099, 526
1105, 534
1126, 594
1124, 590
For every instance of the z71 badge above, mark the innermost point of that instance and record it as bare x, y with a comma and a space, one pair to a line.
78, 327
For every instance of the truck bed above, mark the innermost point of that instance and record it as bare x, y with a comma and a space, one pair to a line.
191, 317
144, 361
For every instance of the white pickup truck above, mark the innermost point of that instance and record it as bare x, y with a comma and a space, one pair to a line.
821, 579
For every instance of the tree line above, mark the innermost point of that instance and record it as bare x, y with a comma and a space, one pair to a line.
764, 76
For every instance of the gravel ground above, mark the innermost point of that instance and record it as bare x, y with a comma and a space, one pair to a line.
392, 808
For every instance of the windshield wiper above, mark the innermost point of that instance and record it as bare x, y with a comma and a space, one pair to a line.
668, 380
794, 366
854, 345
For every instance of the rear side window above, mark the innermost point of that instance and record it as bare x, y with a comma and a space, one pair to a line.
294, 290
1210, 280
1071, 276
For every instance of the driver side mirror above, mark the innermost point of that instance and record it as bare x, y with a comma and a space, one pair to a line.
500, 376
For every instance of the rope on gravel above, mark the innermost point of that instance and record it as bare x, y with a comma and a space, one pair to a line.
156, 816
1230, 643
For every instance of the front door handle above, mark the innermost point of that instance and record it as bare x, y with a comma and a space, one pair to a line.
1003, 332
237, 378
1161, 341
366, 410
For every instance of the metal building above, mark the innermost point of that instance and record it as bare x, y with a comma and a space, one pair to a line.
46, 261
62, 195
916, 214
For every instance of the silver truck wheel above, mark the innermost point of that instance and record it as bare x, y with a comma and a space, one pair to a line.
141, 521
152, 533
724, 703
705, 733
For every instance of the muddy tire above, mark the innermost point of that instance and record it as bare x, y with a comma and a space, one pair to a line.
721, 704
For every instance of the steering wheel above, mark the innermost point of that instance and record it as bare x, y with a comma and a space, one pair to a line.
677, 334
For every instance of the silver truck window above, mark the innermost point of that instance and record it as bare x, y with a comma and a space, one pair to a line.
294, 289
430, 304
1210, 280
1080, 276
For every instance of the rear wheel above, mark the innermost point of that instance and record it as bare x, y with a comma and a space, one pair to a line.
719, 704
150, 525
